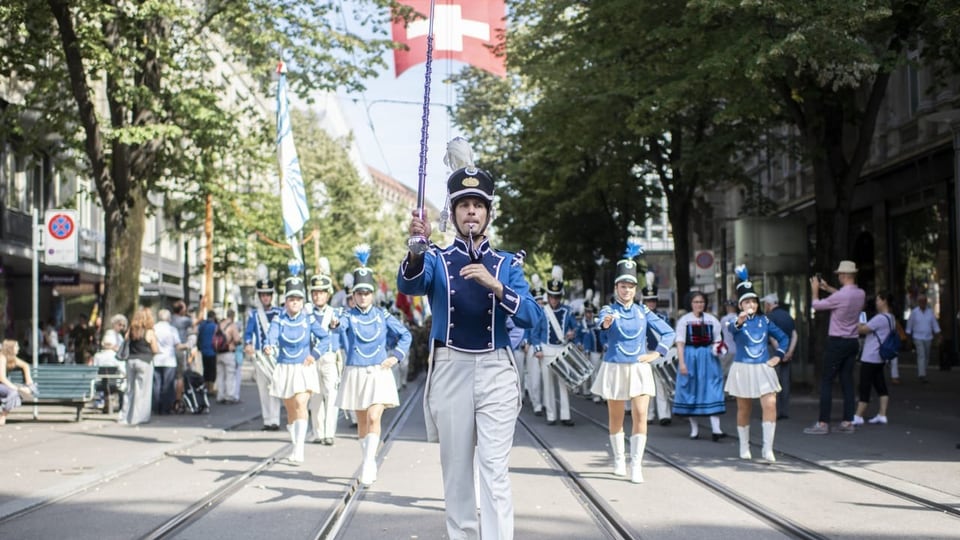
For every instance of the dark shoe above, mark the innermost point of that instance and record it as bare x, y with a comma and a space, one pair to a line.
567, 422
665, 421
717, 436
924, 380
272, 427
782, 417
328, 441
538, 413
551, 422
694, 437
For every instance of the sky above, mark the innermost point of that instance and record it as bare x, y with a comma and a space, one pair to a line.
387, 120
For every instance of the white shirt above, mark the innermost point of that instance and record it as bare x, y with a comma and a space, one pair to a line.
922, 324
168, 338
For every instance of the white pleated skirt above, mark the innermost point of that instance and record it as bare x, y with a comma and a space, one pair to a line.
624, 381
751, 380
291, 379
363, 386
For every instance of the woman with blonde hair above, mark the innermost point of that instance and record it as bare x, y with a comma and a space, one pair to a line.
142, 347
9, 397
10, 351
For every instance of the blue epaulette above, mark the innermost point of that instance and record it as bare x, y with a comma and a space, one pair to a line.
518, 258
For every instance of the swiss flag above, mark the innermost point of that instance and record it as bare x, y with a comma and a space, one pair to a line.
463, 30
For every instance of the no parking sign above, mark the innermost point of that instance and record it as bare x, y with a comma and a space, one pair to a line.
60, 237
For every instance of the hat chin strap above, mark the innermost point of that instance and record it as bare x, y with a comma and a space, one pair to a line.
466, 234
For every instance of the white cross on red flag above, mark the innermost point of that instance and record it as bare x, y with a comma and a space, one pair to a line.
463, 30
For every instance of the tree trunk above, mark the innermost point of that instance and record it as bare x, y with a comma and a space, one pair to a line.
124, 241
206, 303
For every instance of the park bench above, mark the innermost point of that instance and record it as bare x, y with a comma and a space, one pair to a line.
71, 386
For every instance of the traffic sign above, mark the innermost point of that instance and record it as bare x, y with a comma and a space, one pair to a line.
60, 237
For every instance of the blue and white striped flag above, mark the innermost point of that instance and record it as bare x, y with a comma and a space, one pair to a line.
293, 198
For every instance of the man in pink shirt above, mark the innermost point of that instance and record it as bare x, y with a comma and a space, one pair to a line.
844, 305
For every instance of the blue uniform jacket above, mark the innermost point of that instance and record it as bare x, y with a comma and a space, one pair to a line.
255, 334
331, 343
752, 339
626, 338
466, 315
588, 335
365, 335
566, 320
291, 337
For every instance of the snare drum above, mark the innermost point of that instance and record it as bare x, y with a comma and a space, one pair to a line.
665, 369
572, 365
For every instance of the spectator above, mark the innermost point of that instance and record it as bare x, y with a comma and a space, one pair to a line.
922, 327
780, 317
118, 329
226, 381
205, 330
10, 351
9, 396
50, 344
107, 357
871, 364
143, 346
165, 363
81, 339
181, 320
844, 305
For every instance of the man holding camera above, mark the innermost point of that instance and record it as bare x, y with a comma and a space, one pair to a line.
840, 355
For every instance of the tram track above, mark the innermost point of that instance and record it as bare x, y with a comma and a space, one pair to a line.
776, 519
602, 513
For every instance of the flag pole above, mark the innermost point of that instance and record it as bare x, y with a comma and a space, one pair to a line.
417, 244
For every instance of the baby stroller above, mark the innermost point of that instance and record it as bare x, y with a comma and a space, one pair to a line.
194, 399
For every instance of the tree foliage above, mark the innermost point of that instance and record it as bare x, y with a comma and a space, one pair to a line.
164, 95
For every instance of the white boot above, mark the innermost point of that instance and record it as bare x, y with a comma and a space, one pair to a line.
638, 443
744, 433
292, 430
368, 472
619, 456
769, 431
300, 437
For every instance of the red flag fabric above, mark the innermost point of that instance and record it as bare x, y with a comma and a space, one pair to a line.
462, 30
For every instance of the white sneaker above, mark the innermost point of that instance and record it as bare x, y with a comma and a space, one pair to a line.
878, 419
857, 420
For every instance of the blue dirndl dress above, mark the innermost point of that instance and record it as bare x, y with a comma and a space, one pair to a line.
700, 391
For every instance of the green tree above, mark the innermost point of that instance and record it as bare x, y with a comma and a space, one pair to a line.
154, 106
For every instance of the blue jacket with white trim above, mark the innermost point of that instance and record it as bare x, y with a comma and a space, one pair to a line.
466, 315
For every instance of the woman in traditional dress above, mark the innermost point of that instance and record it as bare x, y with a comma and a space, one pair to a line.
699, 371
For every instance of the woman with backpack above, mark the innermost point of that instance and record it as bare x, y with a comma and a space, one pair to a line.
876, 330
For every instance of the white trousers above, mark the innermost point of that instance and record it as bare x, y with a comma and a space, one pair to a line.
922, 347
534, 379
138, 401
227, 375
595, 360
323, 405
269, 405
474, 400
551, 384
521, 358
662, 404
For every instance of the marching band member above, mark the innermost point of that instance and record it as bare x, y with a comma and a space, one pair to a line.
294, 377
650, 297
254, 338
472, 398
323, 405
533, 361
625, 374
588, 337
752, 374
557, 327
367, 385
699, 390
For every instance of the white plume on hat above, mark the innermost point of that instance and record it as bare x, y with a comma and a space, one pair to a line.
556, 273
459, 154
536, 281
650, 277
348, 280
588, 295
323, 266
